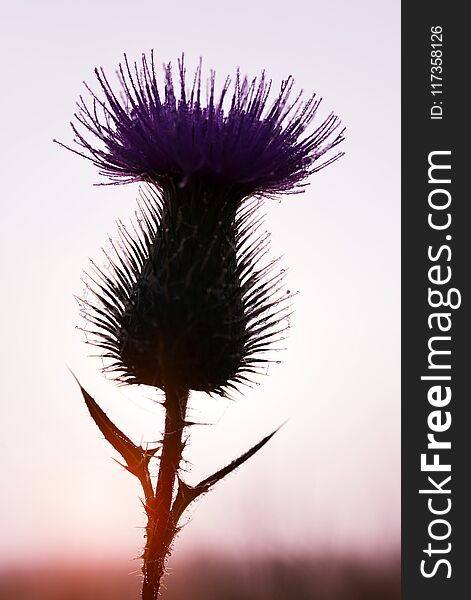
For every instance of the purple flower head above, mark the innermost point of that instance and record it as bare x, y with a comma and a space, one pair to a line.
189, 301
237, 140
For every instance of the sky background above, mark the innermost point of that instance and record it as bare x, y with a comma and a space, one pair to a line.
330, 479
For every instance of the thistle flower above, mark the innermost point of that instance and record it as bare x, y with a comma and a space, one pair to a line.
253, 147
189, 302
186, 302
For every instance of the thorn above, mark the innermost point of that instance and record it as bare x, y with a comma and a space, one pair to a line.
120, 463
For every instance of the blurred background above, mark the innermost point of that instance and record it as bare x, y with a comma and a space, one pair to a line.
316, 514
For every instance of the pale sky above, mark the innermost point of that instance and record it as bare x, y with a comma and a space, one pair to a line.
330, 479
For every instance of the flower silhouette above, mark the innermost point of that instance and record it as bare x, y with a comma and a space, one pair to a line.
252, 146
189, 300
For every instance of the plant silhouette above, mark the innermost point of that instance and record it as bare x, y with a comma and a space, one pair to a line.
190, 301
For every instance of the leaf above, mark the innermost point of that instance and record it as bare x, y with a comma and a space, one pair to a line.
134, 456
187, 493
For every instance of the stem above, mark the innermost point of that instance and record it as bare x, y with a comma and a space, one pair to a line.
160, 526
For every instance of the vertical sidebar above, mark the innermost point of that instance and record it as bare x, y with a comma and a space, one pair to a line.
436, 331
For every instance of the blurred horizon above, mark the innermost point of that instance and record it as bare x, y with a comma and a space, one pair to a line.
212, 577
